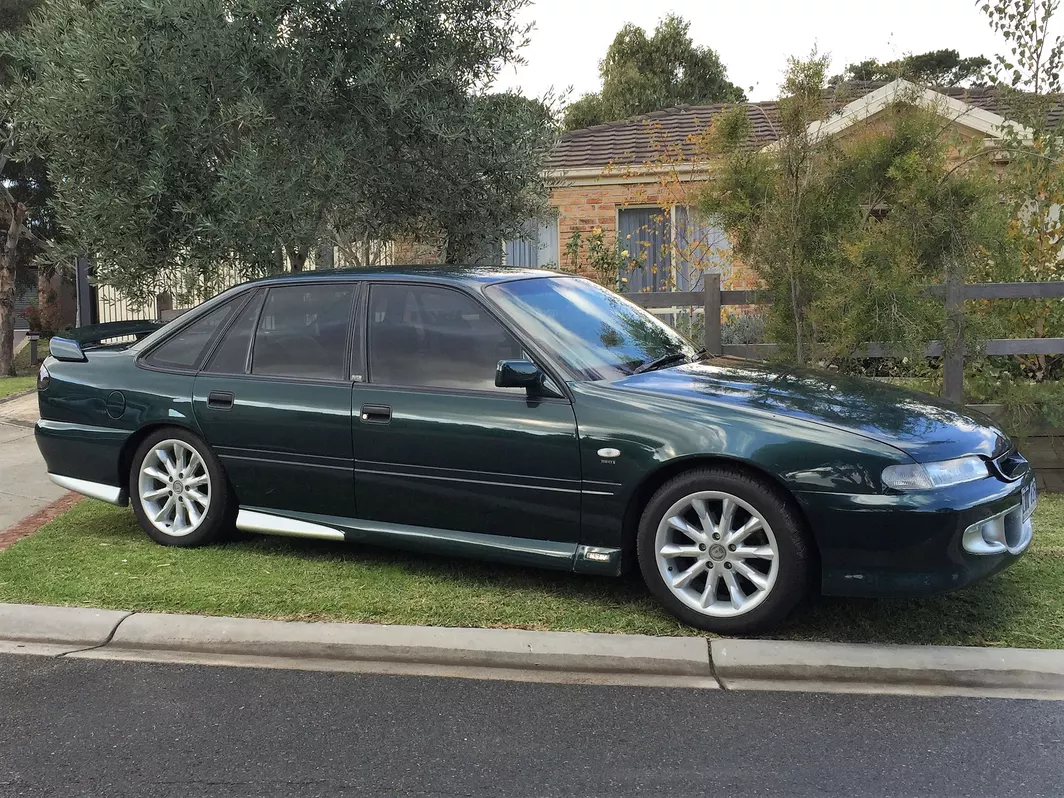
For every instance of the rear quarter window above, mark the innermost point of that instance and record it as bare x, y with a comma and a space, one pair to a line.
187, 348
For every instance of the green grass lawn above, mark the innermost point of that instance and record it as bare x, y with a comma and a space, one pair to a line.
96, 556
26, 375
12, 385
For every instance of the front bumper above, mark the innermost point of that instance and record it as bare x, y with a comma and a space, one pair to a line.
913, 544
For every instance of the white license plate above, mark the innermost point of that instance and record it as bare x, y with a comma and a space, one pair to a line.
1029, 499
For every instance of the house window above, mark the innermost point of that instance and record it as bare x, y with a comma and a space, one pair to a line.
701, 246
670, 249
538, 250
646, 233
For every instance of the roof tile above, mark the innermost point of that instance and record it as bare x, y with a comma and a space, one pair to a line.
672, 133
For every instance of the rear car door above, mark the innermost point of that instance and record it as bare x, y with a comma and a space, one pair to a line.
437, 445
274, 399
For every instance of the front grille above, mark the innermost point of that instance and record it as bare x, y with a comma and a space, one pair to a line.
1011, 466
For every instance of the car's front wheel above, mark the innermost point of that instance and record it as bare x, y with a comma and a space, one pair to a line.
178, 490
724, 551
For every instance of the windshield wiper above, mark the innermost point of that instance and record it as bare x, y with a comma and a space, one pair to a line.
661, 362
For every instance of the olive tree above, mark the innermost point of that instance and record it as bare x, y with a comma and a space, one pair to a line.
207, 137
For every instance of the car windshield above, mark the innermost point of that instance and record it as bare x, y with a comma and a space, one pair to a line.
598, 334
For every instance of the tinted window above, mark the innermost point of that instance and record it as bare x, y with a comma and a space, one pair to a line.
598, 334
433, 337
187, 348
303, 332
231, 356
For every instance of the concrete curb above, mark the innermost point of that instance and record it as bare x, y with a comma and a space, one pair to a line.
31, 629
532, 656
772, 664
633, 655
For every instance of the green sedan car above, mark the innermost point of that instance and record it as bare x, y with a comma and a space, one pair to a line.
536, 419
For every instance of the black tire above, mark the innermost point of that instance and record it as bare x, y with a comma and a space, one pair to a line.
218, 518
795, 554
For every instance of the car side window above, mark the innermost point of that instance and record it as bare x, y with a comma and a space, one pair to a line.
187, 348
432, 337
303, 332
231, 355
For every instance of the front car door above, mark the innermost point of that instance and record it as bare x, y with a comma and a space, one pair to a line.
437, 445
274, 399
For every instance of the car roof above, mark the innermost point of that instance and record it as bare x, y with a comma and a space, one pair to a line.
458, 275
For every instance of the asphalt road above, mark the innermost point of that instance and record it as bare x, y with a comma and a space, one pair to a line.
80, 728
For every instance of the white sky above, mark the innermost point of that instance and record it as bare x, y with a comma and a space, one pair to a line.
752, 37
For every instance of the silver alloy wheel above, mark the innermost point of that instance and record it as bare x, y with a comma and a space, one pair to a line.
717, 554
175, 488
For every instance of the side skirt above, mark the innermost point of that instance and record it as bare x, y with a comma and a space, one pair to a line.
254, 521
515, 551
94, 490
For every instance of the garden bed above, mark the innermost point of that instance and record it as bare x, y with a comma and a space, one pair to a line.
96, 556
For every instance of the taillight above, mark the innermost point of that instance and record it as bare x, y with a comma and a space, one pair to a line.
43, 378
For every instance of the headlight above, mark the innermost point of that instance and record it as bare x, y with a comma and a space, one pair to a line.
42, 378
925, 476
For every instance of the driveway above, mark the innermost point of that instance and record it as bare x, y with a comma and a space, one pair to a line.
24, 485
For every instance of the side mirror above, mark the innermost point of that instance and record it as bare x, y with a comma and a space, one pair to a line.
518, 374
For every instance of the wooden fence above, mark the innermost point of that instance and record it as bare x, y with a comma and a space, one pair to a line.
713, 298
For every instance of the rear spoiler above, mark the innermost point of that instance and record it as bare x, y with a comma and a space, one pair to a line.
71, 344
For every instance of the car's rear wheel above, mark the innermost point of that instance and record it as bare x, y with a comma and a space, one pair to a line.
724, 551
179, 493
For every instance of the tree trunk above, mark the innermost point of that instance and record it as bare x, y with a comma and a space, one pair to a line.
799, 322
7, 290
456, 251
45, 298
323, 257
297, 260
1040, 332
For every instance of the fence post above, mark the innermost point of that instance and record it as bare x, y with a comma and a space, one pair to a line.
953, 356
711, 280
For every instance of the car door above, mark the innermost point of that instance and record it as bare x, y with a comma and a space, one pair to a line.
274, 399
436, 444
